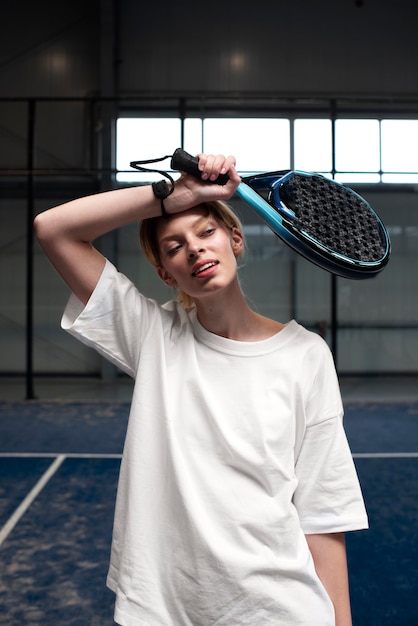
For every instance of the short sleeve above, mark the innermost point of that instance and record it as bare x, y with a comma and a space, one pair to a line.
328, 496
114, 320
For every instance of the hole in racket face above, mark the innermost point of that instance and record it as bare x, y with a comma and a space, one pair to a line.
335, 217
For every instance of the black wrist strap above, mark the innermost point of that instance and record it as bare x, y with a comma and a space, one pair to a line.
161, 189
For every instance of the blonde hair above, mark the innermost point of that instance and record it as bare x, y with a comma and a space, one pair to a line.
148, 238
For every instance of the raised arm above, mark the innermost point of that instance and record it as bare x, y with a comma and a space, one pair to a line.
66, 232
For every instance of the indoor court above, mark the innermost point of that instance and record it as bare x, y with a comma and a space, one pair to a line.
59, 465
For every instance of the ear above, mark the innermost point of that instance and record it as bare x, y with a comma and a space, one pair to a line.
166, 277
237, 241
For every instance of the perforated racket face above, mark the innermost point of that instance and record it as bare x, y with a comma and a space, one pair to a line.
324, 221
335, 217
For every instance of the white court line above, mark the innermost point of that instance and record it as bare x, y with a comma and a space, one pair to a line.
385, 455
53, 455
32, 495
82, 455
60, 458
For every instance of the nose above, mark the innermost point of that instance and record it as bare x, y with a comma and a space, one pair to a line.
194, 249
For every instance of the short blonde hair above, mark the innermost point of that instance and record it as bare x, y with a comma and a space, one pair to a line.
148, 235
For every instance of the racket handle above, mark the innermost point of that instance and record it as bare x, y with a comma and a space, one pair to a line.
185, 162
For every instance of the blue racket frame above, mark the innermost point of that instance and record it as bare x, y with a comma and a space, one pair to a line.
279, 218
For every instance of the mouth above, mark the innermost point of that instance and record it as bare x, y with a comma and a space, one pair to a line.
204, 267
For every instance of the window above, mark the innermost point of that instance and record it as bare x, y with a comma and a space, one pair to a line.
313, 145
139, 139
399, 151
260, 145
365, 150
357, 151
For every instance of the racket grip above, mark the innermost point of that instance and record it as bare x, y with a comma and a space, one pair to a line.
185, 162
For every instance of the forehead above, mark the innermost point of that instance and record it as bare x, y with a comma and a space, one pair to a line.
180, 222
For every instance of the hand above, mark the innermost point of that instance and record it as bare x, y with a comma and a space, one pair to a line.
212, 166
192, 190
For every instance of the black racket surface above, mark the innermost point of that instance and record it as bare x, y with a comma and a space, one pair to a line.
333, 216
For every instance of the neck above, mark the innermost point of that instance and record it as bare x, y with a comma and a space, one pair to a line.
232, 318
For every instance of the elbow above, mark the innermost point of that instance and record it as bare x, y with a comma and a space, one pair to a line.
45, 228
41, 227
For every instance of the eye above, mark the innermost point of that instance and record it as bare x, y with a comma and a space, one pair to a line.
172, 251
208, 231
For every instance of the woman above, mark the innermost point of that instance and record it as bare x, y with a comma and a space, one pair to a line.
237, 483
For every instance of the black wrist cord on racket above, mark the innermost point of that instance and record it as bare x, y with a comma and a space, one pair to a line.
181, 161
160, 188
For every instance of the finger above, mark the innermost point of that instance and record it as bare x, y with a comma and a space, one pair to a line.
202, 160
218, 164
228, 165
210, 165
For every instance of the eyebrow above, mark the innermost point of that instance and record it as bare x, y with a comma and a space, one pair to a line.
196, 224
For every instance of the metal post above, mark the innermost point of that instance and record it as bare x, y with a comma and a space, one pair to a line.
107, 150
334, 318
30, 394
334, 285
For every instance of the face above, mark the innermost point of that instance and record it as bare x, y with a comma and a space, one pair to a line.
198, 254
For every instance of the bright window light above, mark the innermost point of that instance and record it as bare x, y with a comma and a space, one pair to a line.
139, 139
357, 146
354, 177
260, 145
193, 135
400, 178
313, 145
366, 150
399, 146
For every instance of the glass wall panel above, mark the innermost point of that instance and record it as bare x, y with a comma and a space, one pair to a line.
193, 135
357, 147
260, 145
400, 146
145, 138
313, 145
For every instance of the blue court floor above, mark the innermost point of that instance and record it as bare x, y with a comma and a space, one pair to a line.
59, 464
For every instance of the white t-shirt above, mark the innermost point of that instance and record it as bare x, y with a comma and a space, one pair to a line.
234, 451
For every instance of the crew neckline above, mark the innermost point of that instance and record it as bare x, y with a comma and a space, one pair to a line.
243, 348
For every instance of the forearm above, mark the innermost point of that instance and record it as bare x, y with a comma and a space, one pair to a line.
65, 232
87, 218
329, 555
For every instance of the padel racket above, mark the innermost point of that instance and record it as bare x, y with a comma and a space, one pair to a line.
324, 221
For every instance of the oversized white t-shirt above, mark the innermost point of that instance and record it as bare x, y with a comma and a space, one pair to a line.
234, 451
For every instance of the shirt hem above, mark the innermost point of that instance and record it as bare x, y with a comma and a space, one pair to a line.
310, 527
